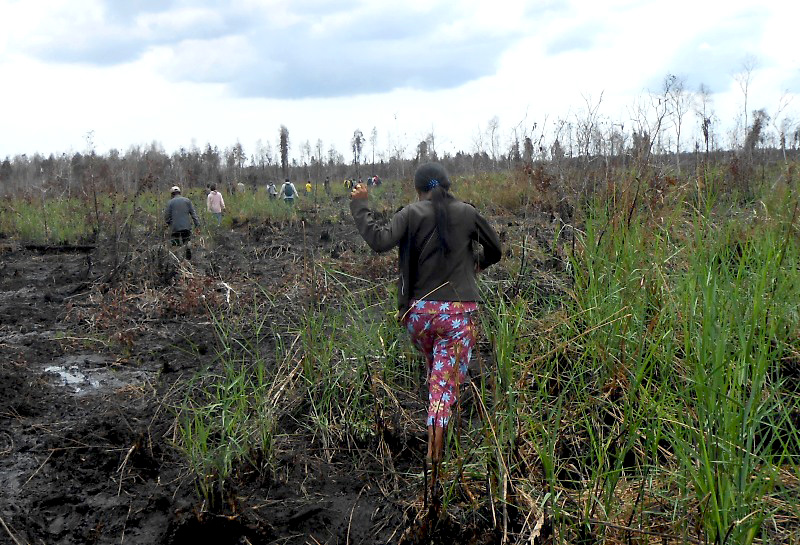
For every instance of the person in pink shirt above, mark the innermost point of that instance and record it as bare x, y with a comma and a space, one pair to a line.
215, 203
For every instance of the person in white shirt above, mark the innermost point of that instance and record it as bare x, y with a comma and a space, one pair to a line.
288, 192
215, 203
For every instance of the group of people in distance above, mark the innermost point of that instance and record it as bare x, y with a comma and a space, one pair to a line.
437, 293
373, 180
181, 216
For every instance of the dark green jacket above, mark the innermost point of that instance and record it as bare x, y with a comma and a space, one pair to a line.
180, 214
425, 273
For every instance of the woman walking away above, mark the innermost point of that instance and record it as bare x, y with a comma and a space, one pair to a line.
215, 203
437, 289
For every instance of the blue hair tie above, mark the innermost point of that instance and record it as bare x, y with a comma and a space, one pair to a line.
431, 184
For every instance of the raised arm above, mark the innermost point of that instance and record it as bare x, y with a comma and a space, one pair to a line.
379, 237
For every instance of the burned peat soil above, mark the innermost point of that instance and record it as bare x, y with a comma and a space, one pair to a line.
95, 360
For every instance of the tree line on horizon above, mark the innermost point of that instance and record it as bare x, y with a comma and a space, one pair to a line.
653, 136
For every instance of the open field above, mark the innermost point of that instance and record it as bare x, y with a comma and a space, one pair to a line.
637, 377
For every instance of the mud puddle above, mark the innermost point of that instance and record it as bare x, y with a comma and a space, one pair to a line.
84, 374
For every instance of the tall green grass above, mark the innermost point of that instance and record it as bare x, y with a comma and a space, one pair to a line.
46, 220
353, 361
226, 422
256, 206
658, 392
681, 326
71, 220
740, 301
661, 379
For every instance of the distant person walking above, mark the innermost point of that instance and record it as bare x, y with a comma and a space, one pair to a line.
327, 185
179, 216
215, 203
288, 192
437, 290
240, 187
272, 190
309, 187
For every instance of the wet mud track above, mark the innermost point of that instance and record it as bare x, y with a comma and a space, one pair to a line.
92, 368
87, 431
78, 458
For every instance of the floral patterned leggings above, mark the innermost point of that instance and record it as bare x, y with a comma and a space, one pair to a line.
444, 333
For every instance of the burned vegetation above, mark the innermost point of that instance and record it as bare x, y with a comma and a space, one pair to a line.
635, 379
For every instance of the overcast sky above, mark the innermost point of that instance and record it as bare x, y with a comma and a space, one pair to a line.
186, 73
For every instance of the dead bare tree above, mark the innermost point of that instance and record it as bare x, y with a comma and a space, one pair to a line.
318, 148
744, 79
357, 144
586, 125
781, 122
680, 99
373, 142
478, 147
527, 154
493, 132
422, 151
284, 145
648, 116
705, 111
235, 160
755, 135
92, 182
430, 139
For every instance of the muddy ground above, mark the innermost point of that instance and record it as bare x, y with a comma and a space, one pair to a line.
93, 363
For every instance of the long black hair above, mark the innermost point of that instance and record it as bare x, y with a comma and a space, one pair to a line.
433, 177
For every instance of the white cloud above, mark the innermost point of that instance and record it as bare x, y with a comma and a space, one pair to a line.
177, 70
